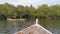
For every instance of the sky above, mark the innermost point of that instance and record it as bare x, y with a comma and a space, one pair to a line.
35, 3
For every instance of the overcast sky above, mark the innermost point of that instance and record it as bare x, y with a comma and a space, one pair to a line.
35, 3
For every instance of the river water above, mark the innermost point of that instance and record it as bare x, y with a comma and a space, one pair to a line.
13, 26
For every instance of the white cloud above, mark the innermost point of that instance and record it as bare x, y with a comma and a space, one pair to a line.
31, 2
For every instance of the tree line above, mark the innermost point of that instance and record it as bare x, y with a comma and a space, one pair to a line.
43, 11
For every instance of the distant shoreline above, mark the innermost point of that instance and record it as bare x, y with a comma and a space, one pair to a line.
15, 19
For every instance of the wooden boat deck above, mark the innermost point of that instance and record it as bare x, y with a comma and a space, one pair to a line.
34, 29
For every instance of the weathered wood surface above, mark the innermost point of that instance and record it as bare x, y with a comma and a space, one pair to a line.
34, 29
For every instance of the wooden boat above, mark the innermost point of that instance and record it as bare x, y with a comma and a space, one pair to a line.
14, 19
34, 29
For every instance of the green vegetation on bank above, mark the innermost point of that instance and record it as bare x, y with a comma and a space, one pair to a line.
43, 11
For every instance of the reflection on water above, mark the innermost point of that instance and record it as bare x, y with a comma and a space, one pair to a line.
10, 27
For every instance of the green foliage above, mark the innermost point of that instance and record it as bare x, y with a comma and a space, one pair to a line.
43, 10
10, 11
20, 11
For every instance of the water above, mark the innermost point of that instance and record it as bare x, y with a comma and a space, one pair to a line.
10, 27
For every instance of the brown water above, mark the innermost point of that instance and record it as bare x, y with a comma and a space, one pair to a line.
10, 27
